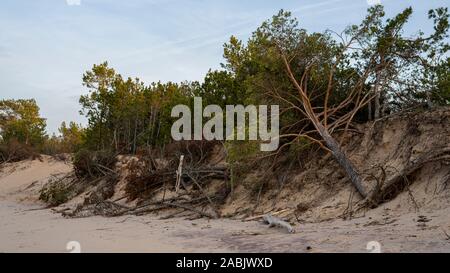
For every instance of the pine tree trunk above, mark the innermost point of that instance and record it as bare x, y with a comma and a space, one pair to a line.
135, 135
343, 160
429, 101
377, 107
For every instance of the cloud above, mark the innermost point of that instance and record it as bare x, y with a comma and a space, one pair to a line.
73, 2
374, 2
316, 6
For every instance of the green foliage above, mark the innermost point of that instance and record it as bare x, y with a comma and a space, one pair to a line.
54, 193
70, 140
22, 130
220, 88
441, 91
240, 151
126, 114
72, 136
20, 120
240, 157
404, 69
258, 67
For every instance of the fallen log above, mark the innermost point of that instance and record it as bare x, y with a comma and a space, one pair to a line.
202, 213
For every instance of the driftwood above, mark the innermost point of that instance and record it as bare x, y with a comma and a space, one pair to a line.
277, 222
104, 208
164, 205
174, 202
185, 207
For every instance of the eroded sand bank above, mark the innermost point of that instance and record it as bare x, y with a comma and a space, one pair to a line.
26, 227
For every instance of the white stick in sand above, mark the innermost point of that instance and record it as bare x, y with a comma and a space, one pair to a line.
179, 173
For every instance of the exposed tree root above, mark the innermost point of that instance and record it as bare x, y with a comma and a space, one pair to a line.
385, 191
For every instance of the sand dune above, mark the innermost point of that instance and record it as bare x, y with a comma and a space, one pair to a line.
23, 180
25, 226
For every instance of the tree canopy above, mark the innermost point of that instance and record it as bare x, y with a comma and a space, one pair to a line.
20, 120
372, 67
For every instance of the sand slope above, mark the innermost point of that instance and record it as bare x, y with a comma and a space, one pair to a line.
22, 180
27, 227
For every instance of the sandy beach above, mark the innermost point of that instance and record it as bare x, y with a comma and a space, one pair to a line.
27, 226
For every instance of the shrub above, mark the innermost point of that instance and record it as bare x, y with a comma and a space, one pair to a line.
54, 193
93, 163
14, 151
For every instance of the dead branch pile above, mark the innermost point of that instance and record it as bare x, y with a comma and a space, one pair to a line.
62, 189
58, 190
151, 180
93, 175
190, 165
94, 164
14, 151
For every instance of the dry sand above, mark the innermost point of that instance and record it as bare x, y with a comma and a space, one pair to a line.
26, 227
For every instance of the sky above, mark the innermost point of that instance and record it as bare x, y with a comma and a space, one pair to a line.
47, 45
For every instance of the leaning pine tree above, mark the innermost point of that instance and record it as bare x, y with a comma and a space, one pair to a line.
328, 118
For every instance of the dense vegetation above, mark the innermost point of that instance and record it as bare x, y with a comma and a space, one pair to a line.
22, 132
369, 70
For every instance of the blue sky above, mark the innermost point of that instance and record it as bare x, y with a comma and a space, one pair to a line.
46, 45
